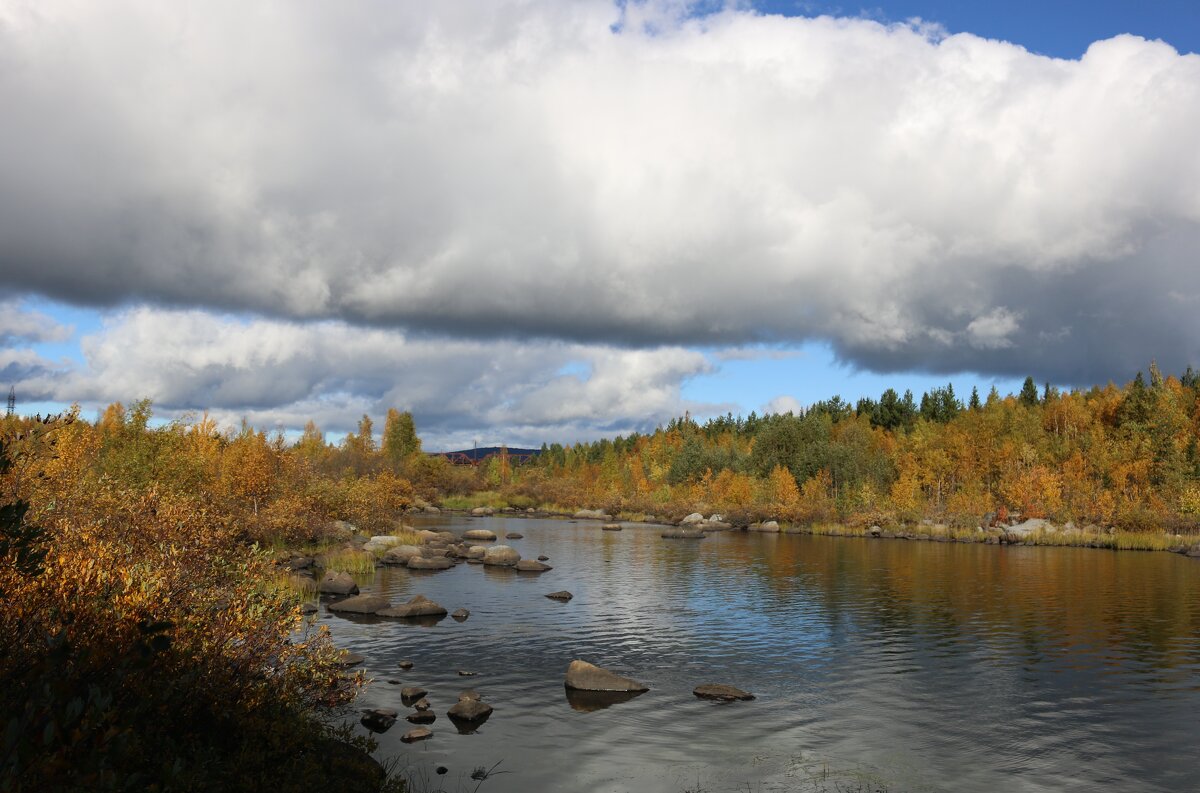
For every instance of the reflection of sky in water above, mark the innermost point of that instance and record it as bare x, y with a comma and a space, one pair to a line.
938, 666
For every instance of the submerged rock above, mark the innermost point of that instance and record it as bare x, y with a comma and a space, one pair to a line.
361, 604
683, 534
611, 527
560, 595
514, 535
419, 734
419, 606
588, 701
721, 693
461, 615
543, 558
406, 664
588, 677
532, 566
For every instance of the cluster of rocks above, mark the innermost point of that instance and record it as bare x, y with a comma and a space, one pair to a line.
467, 714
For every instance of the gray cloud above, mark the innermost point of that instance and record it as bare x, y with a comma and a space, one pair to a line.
521, 170
283, 373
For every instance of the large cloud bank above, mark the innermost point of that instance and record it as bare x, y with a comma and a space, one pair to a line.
631, 176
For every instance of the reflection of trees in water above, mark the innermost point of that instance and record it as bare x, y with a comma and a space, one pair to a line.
1050, 600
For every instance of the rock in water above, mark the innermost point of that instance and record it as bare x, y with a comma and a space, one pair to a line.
419, 734
422, 704
501, 555
400, 554
721, 693
695, 517
361, 604
588, 677
479, 534
379, 719
683, 534
422, 717
436, 563
611, 527
412, 693
405, 664
561, 595
349, 659
337, 583
531, 566
419, 606
514, 535
470, 710
461, 615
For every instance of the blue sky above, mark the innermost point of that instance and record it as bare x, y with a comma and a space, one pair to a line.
582, 228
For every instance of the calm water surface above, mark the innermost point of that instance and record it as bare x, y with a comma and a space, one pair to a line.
878, 664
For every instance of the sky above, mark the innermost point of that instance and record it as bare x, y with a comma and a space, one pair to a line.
555, 220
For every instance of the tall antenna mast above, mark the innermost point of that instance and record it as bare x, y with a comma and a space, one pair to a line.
12, 400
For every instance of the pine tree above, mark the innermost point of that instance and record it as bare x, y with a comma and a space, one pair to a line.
974, 403
1029, 393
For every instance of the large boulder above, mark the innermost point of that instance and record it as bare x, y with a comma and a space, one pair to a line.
583, 676
336, 582
531, 566
419, 606
721, 693
400, 554
695, 517
592, 514
501, 555
479, 534
361, 604
683, 534
435, 563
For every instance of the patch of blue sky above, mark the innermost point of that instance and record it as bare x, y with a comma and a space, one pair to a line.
81, 322
1058, 28
747, 381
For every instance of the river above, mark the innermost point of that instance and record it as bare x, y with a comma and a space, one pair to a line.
877, 664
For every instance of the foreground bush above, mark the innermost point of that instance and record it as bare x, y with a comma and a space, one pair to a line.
145, 647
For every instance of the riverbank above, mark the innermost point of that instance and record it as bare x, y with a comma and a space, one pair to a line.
1034, 532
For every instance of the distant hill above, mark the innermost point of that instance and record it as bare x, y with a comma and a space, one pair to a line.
475, 455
